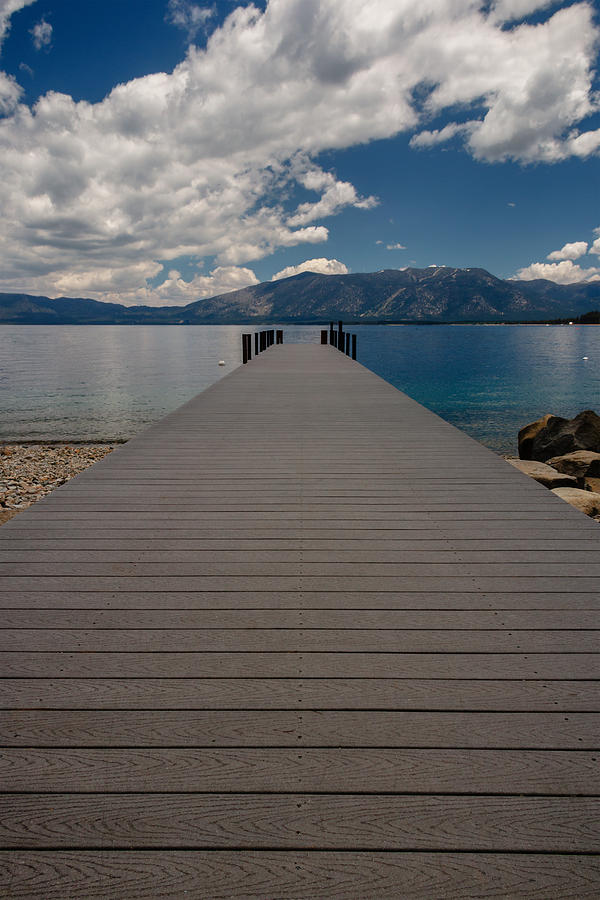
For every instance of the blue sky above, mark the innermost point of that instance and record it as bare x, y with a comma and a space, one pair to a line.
158, 151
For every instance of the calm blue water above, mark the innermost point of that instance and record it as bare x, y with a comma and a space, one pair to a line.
106, 382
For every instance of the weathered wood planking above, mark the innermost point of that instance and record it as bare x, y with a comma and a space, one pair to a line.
345, 875
300, 638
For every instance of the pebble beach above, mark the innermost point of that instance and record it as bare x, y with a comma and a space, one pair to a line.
29, 471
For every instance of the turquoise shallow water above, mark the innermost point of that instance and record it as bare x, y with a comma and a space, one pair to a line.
107, 382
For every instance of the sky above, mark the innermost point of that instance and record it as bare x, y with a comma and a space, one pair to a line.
160, 151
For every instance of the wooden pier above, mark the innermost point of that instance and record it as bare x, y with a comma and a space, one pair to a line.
300, 639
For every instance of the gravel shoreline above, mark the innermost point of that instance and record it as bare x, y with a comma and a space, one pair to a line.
31, 470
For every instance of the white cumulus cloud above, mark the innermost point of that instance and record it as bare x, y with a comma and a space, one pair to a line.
321, 266
335, 195
189, 16
10, 93
41, 34
534, 82
441, 135
395, 247
174, 290
595, 247
565, 272
508, 10
205, 161
7, 9
570, 251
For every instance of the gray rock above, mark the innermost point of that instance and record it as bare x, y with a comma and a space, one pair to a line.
554, 436
528, 434
542, 473
586, 501
580, 463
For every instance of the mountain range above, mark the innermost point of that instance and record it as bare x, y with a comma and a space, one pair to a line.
435, 294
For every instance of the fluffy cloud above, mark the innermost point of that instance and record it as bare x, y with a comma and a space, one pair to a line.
395, 247
174, 291
570, 251
189, 16
335, 195
441, 135
508, 10
565, 272
10, 94
535, 84
112, 286
206, 160
321, 266
41, 34
7, 8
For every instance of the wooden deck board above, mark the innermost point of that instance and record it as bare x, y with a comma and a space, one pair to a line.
441, 694
297, 640
288, 664
301, 769
424, 598
293, 820
300, 638
293, 728
406, 621
112, 875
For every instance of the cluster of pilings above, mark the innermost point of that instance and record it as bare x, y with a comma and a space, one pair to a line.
262, 340
341, 339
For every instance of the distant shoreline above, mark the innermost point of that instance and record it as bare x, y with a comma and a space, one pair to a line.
300, 322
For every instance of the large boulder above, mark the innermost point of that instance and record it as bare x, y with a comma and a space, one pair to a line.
580, 463
586, 501
542, 473
528, 434
554, 436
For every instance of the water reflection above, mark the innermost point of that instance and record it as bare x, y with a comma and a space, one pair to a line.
107, 382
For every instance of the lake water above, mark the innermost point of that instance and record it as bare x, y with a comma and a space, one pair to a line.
108, 382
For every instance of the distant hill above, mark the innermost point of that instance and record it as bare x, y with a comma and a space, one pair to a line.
416, 295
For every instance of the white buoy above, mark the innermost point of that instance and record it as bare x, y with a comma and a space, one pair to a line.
221, 362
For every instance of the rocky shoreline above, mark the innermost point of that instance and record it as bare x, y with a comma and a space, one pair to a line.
30, 471
564, 456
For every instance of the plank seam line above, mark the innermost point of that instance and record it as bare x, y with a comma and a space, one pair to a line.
300, 609
278, 678
303, 793
320, 709
301, 628
524, 653
289, 851
291, 747
343, 591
